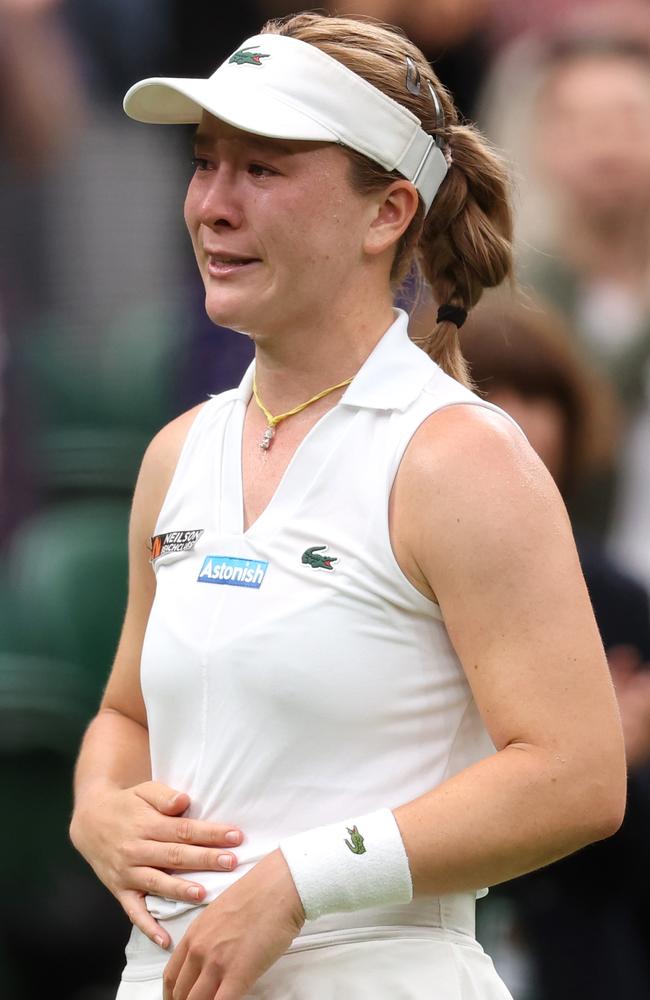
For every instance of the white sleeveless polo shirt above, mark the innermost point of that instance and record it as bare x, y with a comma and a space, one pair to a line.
292, 674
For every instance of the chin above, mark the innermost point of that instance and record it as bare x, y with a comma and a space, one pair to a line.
248, 311
231, 315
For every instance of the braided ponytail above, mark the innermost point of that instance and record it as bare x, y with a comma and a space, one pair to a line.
464, 243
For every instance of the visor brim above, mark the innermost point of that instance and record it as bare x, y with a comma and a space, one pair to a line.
169, 101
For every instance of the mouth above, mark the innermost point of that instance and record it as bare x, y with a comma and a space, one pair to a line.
222, 264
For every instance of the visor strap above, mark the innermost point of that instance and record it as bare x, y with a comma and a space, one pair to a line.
416, 175
430, 173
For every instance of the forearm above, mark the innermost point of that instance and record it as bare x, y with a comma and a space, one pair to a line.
511, 813
114, 753
514, 811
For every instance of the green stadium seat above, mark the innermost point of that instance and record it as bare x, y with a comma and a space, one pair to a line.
98, 401
68, 568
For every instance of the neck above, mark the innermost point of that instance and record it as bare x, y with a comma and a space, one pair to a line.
305, 354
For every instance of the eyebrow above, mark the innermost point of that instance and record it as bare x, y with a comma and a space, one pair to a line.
259, 142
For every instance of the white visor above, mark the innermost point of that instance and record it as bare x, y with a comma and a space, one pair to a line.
283, 88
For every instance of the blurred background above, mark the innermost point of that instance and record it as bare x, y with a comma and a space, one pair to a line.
103, 339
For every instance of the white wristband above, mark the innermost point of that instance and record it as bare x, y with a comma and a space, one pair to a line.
350, 865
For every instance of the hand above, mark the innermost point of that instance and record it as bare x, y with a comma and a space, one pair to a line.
237, 937
130, 836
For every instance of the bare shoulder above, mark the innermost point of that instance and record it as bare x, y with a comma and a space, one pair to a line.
465, 455
471, 492
157, 469
163, 451
460, 434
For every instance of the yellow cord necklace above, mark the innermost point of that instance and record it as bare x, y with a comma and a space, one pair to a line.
272, 421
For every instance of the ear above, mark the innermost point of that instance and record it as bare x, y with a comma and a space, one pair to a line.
393, 211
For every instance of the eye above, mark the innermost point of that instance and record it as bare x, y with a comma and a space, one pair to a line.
257, 170
199, 163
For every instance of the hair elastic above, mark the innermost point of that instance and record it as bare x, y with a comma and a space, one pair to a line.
451, 314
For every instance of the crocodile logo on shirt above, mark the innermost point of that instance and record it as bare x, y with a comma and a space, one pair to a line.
248, 57
356, 844
312, 557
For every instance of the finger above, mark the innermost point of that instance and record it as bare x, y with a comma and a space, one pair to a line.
179, 856
181, 973
135, 908
172, 969
162, 797
197, 981
156, 883
198, 832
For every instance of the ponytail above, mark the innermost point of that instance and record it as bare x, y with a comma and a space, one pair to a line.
465, 243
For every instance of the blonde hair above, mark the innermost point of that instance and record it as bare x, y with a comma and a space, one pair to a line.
464, 244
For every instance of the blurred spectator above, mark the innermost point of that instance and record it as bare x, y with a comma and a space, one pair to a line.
41, 109
585, 919
40, 101
101, 243
69, 242
107, 202
510, 18
120, 41
520, 348
451, 33
572, 108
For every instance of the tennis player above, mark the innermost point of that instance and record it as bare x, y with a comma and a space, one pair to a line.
359, 677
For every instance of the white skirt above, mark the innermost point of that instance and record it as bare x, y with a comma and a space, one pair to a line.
363, 963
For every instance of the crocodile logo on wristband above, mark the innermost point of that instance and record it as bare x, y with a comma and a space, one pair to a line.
357, 846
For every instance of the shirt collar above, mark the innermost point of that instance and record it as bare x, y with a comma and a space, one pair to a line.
391, 377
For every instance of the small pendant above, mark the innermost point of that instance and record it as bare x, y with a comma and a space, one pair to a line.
267, 437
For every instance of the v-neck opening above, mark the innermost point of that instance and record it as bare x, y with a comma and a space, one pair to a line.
377, 385
232, 488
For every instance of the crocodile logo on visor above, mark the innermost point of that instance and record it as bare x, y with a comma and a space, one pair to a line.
246, 57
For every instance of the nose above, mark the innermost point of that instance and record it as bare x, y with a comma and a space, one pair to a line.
212, 199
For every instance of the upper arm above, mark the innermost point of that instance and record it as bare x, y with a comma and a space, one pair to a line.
123, 692
490, 535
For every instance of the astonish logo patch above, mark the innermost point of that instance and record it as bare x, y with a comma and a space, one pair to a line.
233, 572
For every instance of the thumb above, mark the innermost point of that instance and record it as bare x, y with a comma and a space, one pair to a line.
165, 799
